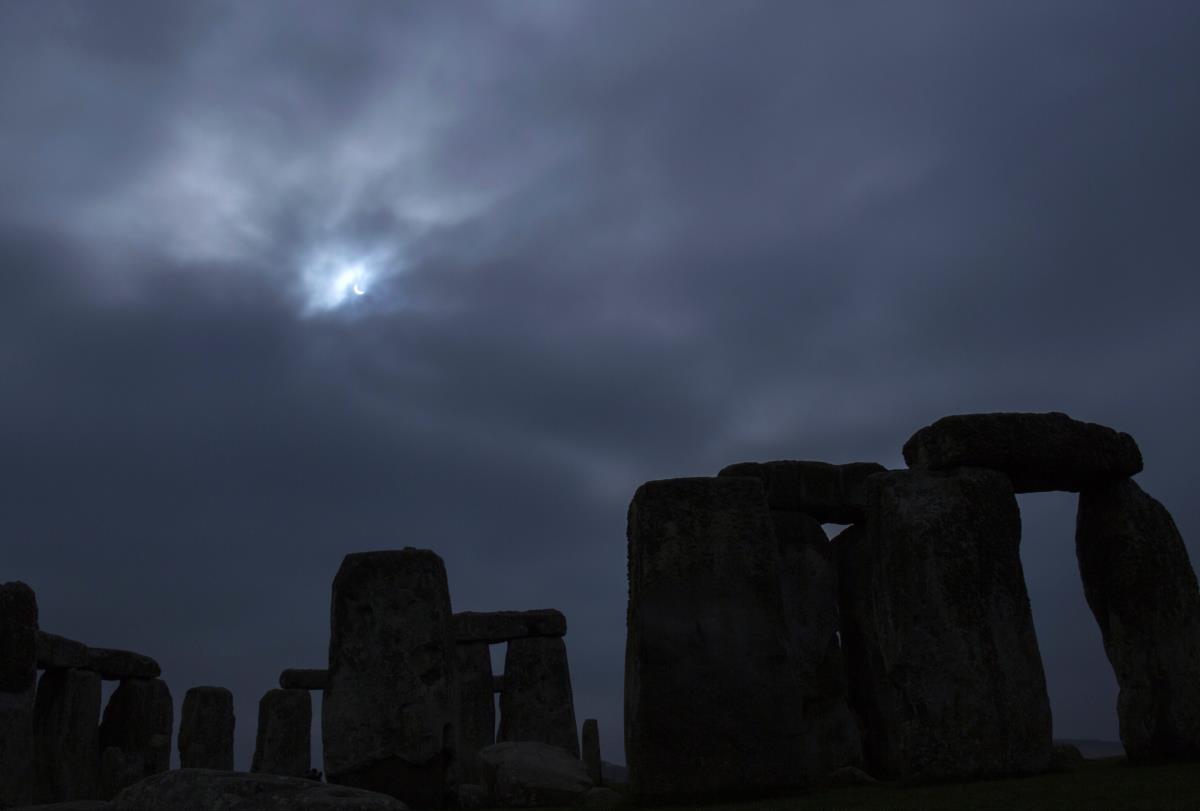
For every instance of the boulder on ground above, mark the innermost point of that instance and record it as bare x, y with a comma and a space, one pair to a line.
832, 494
1141, 587
1039, 452
945, 673
300, 678
211, 789
500, 626
135, 733
390, 713
66, 736
713, 689
537, 703
116, 665
283, 745
206, 729
526, 774
601, 797
58, 651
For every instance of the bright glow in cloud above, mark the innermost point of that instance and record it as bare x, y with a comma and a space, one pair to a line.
337, 278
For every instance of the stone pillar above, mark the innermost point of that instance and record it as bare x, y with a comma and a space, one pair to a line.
206, 729
18, 672
945, 672
391, 710
591, 749
713, 693
477, 719
66, 736
1142, 589
536, 703
135, 734
284, 742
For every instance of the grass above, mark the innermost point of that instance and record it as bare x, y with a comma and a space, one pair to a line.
1109, 783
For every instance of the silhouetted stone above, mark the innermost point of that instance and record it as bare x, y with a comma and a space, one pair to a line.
500, 626
828, 493
296, 678
16, 747
1039, 452
390, 713
498, 683
283, 745
58, 651
73, 805
210, 789
1067, 758
945, 673
117, 665
206, 729
528, 774
713, 694
477, 719
591, 749
1142, 589
66, 736
135, 733
18, 637
537, 703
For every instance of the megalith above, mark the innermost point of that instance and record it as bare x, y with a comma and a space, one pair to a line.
118, 665
135, 734
66, 733
54, 651
713, 693
283, 743
945, 672
392, 705
591, 749
501, 626
296, 678
1141, 587
206, 729
1038, 451
18, 672
832, 494
477, 716
537, 703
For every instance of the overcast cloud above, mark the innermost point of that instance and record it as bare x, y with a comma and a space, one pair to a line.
601, 243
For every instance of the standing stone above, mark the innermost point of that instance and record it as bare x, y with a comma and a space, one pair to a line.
477, 721
66, 736
392, 706
18, 671
135, 734
591, 749
945, 672
1039, 452
1142, 589
206, 729
829, 493
295, 678
501, 626
713, 698
536, 703
283, 744
809, 581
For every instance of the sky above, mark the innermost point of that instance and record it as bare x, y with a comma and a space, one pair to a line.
599, 243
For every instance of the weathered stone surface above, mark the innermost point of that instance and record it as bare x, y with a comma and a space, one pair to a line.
828, 493
18, 637
832, 737
116, 665
297, 678
537, 703
58, 651
66, 734
477, 718
527, 774
73, 805
500, 626
470, 795
850, 776
213, 790
16, 747
206, 729
945, 673
1039, 452
283, 745
600, 797
713, 693
135, 733
1142, 589
390, 713
591, 749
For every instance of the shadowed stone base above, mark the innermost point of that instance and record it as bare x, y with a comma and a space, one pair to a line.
206, 729
135, 735
283, 745
422, 785
536, 703
66, 736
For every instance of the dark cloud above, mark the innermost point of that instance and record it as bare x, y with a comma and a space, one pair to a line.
605, 244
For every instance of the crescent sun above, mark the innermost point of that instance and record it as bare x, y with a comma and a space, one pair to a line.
358, 290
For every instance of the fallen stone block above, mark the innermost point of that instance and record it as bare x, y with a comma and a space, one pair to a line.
500, 626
